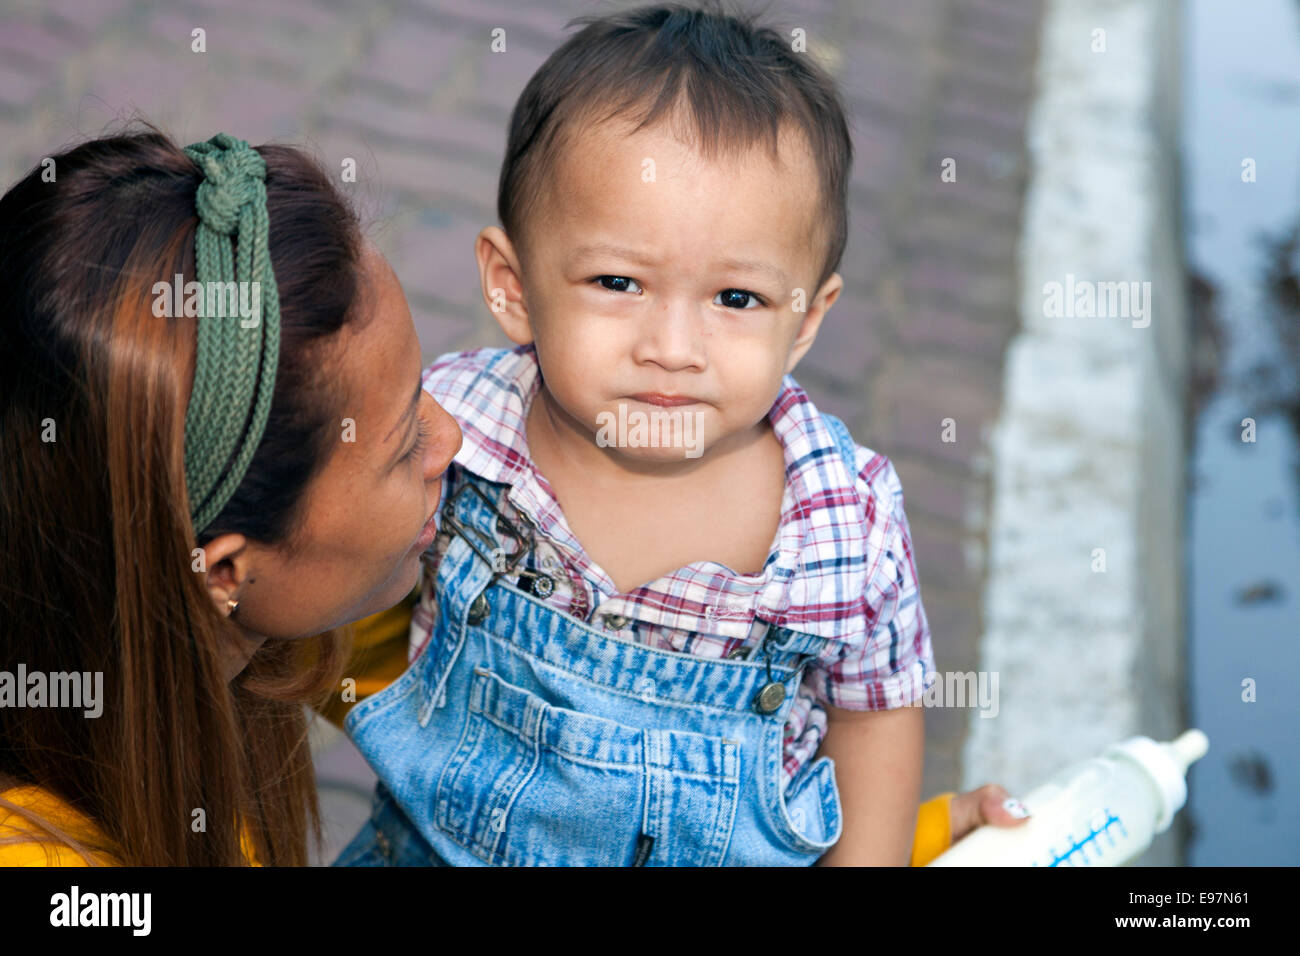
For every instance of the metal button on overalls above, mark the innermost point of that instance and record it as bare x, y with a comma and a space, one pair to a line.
478, 611
615, 621
769, 698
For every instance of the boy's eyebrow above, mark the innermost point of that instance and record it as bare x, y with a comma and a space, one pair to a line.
613, 249
633, 255
755, 265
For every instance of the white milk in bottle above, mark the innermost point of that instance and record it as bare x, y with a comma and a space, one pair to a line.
1100, 812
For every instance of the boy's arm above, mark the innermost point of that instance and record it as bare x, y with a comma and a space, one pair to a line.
878, 759
869, 688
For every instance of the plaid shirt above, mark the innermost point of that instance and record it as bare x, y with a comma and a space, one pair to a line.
840, 567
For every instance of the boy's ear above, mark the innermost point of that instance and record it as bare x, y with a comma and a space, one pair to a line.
812, 319
503, 287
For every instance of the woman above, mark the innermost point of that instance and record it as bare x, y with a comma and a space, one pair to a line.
104, 566
191, 505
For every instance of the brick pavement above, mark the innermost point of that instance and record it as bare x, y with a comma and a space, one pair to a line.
413, 93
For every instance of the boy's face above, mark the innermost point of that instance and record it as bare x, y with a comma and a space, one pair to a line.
653, 271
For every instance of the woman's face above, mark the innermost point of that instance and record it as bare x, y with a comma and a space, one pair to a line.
368, 512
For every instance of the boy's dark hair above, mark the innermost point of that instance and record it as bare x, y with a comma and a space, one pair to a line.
738, 81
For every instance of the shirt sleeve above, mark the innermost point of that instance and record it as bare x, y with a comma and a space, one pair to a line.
889, 661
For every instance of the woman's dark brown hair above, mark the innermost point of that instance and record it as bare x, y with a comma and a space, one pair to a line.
97, 559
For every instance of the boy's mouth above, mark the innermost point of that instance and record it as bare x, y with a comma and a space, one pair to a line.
658, 398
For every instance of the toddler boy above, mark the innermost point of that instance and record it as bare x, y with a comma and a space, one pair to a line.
665, 587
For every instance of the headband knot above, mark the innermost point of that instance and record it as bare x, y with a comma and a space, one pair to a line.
236, 355
234, 178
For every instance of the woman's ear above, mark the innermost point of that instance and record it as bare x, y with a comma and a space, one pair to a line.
226, 558
503, 287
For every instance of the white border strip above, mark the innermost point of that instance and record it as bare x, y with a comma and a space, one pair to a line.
1088, 415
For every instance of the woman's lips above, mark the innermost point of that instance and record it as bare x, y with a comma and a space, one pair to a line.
658, 398
428, 533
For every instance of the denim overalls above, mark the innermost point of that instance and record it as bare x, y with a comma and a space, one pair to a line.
524, 736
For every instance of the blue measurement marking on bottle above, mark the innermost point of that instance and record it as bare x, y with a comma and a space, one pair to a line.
1077, 854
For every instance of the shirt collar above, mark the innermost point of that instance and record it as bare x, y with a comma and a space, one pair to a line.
818, 559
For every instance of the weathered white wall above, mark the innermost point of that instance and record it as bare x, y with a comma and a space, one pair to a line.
1089, 449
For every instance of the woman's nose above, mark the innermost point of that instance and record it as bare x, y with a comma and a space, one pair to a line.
445, 442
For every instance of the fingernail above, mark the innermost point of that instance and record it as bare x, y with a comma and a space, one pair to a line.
1015, 808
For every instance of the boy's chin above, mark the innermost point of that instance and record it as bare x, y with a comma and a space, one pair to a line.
661, 455
657, 436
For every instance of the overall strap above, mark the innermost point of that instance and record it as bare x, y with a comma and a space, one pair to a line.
475, 555
786, 647
843, 441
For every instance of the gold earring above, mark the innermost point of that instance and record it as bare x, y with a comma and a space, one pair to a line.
231, 604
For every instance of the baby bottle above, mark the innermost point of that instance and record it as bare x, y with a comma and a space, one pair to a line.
1100, 812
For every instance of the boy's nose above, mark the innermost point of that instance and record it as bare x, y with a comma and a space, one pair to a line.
672, 338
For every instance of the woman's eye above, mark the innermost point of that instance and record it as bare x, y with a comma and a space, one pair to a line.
421, 436
737, 299
619, 284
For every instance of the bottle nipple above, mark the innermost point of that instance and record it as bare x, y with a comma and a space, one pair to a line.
1189, 747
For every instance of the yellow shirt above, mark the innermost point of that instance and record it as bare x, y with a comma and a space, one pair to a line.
35, 852
40, 852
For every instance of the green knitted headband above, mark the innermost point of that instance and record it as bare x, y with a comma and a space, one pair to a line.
234, 369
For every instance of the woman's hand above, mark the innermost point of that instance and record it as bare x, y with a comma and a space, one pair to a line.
989, 804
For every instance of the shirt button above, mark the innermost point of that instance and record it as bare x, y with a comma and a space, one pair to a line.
615, 622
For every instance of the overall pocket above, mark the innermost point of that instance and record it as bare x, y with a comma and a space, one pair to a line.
532, 784
806, 815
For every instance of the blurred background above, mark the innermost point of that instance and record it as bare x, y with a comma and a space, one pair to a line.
1128, 158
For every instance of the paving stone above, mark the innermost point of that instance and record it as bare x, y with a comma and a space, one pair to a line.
848, 342
955, 331
88, 16
38, 44
433, 254
410, 56
942, 492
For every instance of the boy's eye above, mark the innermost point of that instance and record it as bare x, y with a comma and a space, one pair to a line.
619, 284
737, 299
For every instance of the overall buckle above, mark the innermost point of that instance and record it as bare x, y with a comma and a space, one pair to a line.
486, 547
